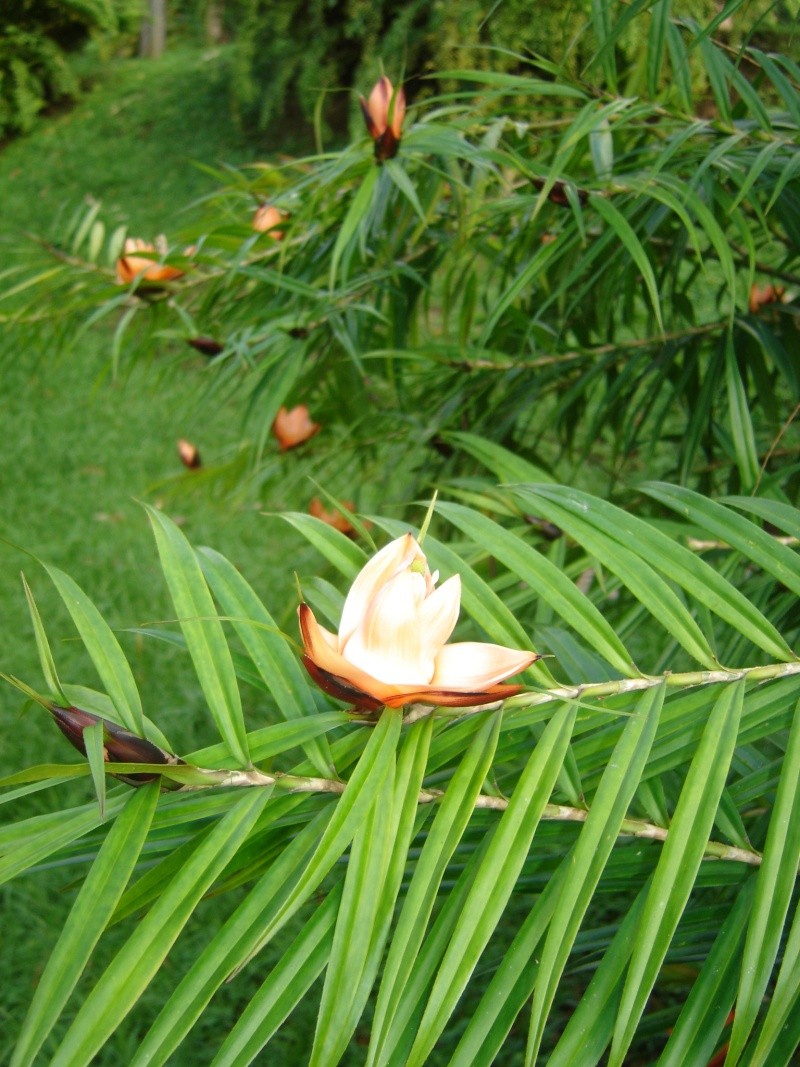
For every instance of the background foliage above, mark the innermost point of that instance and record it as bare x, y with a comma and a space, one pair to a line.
37, 42
570, 304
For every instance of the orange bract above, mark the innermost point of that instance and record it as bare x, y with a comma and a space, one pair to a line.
332, 517
292, 428
130, 266
266, 218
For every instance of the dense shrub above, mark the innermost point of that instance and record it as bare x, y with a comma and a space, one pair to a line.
36, 42
289, 52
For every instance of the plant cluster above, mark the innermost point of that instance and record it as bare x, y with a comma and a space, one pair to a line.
37, 40
568, 299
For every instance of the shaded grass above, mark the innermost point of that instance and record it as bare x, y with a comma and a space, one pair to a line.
131, 143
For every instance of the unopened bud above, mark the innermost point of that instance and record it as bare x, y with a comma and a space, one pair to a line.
119, 744
189, 454
207, 345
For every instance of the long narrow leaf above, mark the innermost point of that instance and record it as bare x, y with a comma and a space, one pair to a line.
203, 631
103, 647
679, 863
87, 920
588, 858
495, 879
134, 966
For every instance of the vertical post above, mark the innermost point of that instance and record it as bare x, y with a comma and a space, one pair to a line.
154, 30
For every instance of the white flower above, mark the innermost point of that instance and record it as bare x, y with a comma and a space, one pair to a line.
392, 648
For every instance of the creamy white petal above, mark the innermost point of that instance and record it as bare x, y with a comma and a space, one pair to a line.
383, 566
439, 614
474, 665
387, 643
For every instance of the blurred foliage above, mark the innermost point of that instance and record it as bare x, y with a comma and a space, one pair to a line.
297, 58
37, 40
604, 281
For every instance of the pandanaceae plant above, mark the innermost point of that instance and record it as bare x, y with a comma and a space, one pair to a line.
578, 817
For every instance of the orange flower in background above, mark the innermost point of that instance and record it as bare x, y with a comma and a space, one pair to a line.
266, 218
761, 295
333, 518
130, 266
384, 113
189, 454
391, 648
294, 427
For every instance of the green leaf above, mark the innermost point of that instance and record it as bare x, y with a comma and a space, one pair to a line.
495, 880
590, 1025
339, 550
138, 961
783, 1004
229, 947
775, 884
511, 985
379, 865
356, 213
356, 923
675, 561
87, 920
703, 1016
547, 580
679, 864
744, 441
656, 44
93, 739
363, 786
626, 234
41, 839
588, 858
754, 544
636, 573
267, 647
296, 971
48, 664
103, 647
405, 185
203, 631
507, 466
446, 831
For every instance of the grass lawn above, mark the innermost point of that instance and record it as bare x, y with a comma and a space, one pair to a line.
80, 451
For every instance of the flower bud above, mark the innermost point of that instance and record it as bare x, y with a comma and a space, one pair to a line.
189, 454
383, 114
146, 268
119, 745
207, 345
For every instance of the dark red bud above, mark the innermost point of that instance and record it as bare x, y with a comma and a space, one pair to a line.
119, 744
207, 345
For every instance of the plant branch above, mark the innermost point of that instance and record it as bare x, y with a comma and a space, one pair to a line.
572, 356
681, 680
552, 812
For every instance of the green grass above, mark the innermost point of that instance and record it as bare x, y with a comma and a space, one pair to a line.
131, 143
81, 452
